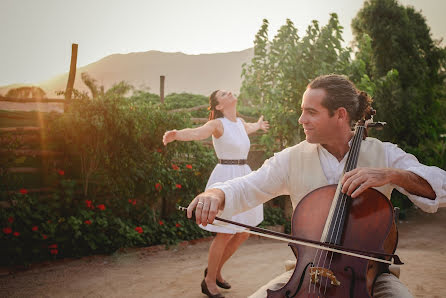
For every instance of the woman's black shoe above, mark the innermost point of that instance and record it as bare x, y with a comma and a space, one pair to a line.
204, 290
223, 285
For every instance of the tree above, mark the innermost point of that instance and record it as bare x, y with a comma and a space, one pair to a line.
281, 69
403, 52
26, 92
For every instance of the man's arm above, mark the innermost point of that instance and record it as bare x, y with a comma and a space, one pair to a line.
424, 185
360, 179
243, 193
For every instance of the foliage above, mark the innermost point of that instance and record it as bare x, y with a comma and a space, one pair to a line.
36, 229
281, 69
402, 50
117, 185
26, 92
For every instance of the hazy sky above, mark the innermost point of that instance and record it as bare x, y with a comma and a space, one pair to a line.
36, 35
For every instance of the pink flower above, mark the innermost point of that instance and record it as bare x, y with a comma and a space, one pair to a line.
178, 186
35, 228
23, 191
7, 230
189, 166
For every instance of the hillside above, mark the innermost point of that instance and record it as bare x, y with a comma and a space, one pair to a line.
200, 74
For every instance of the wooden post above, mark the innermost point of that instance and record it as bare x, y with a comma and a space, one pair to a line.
162, 88
71, 76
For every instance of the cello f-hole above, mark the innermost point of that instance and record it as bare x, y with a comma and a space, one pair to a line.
352, 283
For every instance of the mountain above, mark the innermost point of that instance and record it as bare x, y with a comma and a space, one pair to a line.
199, 74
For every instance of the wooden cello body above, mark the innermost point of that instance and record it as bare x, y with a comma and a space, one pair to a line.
365, 223
369, 225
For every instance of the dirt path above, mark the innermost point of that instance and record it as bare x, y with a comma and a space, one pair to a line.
179, 271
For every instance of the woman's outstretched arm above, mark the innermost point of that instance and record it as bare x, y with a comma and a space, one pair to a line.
212, 127
253, 127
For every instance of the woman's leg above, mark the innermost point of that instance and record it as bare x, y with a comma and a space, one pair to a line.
230, 249
216, 251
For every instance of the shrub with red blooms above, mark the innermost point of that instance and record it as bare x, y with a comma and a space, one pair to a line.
139, 229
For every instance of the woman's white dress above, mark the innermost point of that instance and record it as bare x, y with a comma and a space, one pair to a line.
233, 144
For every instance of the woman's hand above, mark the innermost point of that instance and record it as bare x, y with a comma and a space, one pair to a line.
169, 136
263, 125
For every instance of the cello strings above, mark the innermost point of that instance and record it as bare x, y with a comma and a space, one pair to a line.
354, 150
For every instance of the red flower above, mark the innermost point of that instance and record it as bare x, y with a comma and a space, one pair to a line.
54, 251
159, 150
161, 222
189, 166
134, 202
35, 228
101, 207
23, 191
52, 246
178, 185
175, 167
130, 200
44, 236
158, 187
89, 204
139, 229
11, 219
7, 230
61, 172
87, 222
16, 234
177, 225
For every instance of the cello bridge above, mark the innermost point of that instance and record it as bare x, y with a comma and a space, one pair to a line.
315, 272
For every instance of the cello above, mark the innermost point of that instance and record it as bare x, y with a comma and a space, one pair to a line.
365, 223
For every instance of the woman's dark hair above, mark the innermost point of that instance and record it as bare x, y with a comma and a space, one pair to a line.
213, 102
341, 92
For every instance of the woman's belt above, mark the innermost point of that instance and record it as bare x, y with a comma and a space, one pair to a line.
233, 161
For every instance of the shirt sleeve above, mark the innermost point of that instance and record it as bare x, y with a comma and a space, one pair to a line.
269, 181
435, 176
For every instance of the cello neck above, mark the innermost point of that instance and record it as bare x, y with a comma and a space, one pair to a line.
339, 209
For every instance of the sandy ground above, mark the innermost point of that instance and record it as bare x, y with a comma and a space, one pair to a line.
178, 272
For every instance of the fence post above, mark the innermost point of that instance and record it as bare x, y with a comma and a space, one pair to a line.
162, 88
71, 76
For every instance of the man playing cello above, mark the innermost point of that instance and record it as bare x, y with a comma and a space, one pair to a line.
330, 104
